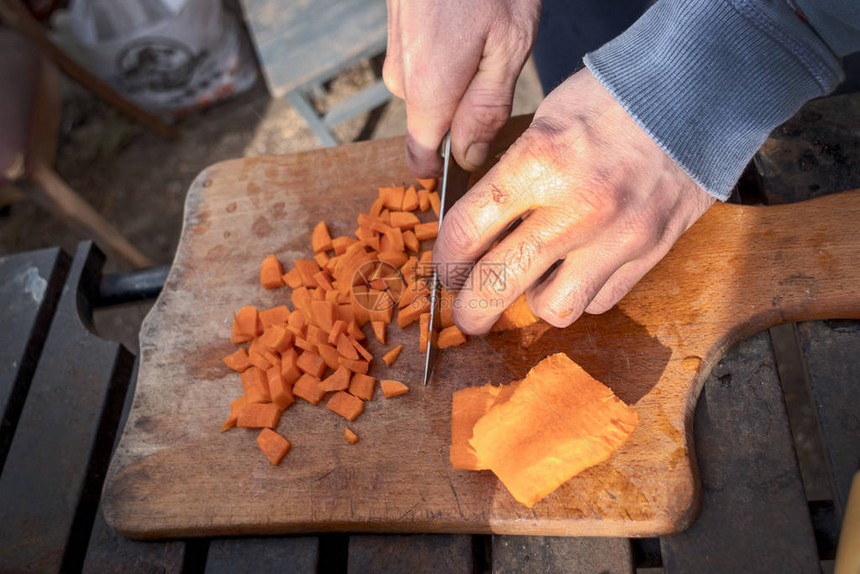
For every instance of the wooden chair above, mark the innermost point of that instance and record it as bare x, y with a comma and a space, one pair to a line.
29, 123
303, 44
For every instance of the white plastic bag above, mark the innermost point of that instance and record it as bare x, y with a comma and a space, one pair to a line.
168, 56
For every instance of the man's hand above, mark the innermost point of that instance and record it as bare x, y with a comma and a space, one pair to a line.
595, 192
456, 64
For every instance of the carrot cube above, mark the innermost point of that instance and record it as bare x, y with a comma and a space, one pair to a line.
391, 356
238, 361
362, 386
338, 381
259, 415
321, 238
271, 272
235, 409
281, 392
273, 445
256, 386
307, 388
393, 388
346, 405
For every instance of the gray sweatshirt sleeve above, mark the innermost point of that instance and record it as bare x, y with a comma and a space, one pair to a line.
709, 79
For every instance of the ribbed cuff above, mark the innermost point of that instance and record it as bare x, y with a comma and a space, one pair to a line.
709, 79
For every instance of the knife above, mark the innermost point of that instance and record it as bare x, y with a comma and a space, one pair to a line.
455, 181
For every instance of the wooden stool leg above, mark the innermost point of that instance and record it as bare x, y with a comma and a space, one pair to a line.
299, 101
67, 203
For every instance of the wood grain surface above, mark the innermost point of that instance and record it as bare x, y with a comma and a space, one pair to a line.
736, 272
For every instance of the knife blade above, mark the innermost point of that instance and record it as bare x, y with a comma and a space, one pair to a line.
455, 182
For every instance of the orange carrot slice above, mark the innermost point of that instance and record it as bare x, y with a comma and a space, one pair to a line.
362, 386
393, 389
289, 366
282, 393
259, 415
276, 338
410, 314
321, 238
378, 331
451, 337
324, 314
410, 199
355, 366
311, 363
238, 361
411, 242
518, 315
256, 386
235, 409
350, 436
423, 199
248, 321
275, 316
426, 230
423, 331
428, 183
307, 388
337, 381
293, 279
271, 272
389, 357
273, 445
405, 220
346, 405
329, 355
392, 197
365, 354
467, 407
435, 201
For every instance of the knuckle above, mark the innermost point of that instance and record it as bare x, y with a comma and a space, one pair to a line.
489, 112
391, 78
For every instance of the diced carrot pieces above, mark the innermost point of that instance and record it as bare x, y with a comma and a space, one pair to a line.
392, 197
337, 381
308, 388
322, 259
324, 313
271, 271
376, 207
408, 269
293, 279
393, 240
238, 361
423, 199
307, 268
273, 445
311, 363
259, 415
339, 244
389, 357
423, 331
236, 336
383, 314
257, 359
345, 348
428, 183
321, 238
289, 366
317, 335
362, 386
410, 199
282, 394
355, 366
329, 355
365, 354
256, 386
337, 329
322, 280
451, 337
379, 330
410, 314
235, 409
435, 201
415, 290
346, 405
393, 388
248, 321
411, 242
333, 295
306, 345
426, 230
277, 338
275, 316
350, 436
427, 256
404, 220
301, 299
354, 332
395, 258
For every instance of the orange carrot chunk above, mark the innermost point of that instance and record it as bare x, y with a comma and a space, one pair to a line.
423, 331
365, 354
273, 445
324, 314
235, 408
435, 201
321, 238
410, 199
389, 357
426, 230
307, 388
259, 415
307, 268
337, 381
256, 386
337, 329
329, 355
346, 405
311, 363
345, 348
354, 331
362, 386
410, 314
428, 183
355, 366
518, 315
277, 338
423, 199
405, 220
293, 279
393, 389
392, 197
248, 321
238, 361
451, 337
271, 272
411, 242
534, 441
379, 330
282, 394
289, 366
350, 436
275, 316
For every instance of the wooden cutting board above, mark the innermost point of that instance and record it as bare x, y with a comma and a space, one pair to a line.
736, 272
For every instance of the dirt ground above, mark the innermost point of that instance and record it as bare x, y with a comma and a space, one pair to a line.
138, 181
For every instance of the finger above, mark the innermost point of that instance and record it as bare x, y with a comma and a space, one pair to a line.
564, 295
485, 106
507, 270
392, 68
517, 185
